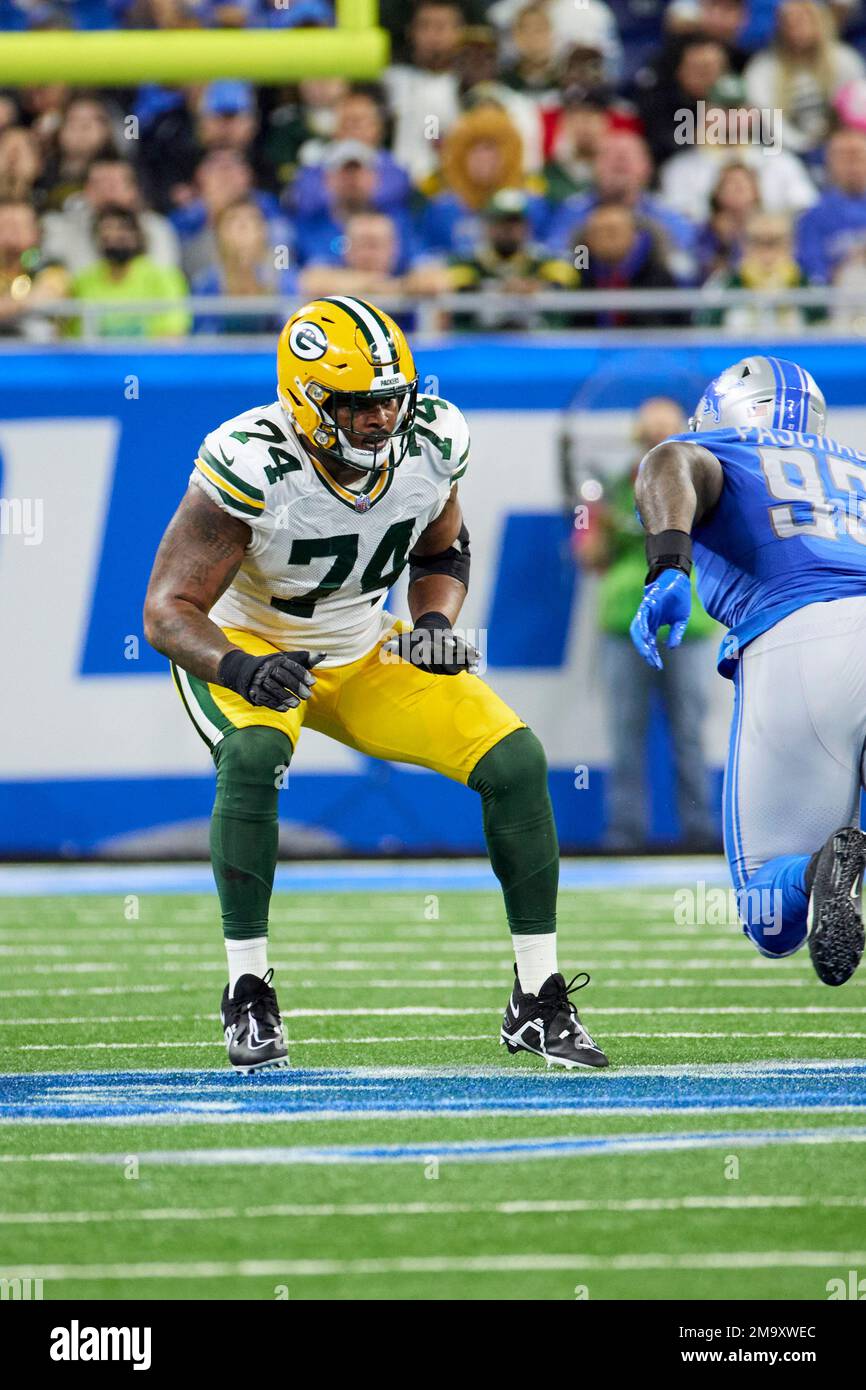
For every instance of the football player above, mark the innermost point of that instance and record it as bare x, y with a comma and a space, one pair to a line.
773, 514
268, 594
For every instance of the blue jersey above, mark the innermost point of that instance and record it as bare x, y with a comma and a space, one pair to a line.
789, 529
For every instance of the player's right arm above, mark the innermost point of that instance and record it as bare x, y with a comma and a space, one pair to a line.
198, 557
677, 484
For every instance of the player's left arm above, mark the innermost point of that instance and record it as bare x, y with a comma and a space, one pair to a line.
438, 583
439, 564
678, 483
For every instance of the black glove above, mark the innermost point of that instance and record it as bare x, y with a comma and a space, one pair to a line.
433, 646
280, 681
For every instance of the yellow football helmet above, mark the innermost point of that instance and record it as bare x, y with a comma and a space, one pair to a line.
342, 351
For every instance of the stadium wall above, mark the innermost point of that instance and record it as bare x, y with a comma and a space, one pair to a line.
96, 755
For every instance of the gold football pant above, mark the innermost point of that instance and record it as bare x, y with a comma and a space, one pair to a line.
385, 708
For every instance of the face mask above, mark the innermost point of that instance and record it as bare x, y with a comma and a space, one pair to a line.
120, 255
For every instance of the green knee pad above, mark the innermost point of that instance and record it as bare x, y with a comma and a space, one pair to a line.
244, 827
520, 830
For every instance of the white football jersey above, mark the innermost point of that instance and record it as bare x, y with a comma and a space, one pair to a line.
322, 557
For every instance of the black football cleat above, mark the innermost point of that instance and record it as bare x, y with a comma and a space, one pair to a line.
835, 921
252, 1025
547, 1024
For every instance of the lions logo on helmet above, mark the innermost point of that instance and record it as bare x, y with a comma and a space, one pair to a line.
343, 352
766, 390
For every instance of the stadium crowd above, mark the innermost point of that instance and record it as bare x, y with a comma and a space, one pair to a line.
515, 145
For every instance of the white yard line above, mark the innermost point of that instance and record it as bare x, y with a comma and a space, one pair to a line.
446, 1264
338, 965
320, 1211
445, 1011
447, 983
828, 1035
140, 945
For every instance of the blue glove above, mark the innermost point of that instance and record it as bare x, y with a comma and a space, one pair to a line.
667, 601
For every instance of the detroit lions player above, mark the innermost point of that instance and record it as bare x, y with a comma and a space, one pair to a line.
774, 513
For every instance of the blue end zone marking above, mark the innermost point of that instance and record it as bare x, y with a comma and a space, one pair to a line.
129, 1097
398, 876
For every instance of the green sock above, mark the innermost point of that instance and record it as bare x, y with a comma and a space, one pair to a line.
519, 829
244, 827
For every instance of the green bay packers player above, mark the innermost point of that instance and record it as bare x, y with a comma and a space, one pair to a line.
267, 595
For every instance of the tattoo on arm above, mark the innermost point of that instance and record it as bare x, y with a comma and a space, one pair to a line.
198, 557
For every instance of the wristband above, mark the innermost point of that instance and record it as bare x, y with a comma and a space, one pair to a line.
431, 622
668, 550
236, 670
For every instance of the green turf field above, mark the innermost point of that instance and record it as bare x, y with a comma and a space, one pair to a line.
758, 1196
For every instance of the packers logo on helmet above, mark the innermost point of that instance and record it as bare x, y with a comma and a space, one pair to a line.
336, 358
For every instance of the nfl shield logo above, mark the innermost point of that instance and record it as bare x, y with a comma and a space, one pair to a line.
362, 502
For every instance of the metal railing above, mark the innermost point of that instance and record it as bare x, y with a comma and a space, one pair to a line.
843, 310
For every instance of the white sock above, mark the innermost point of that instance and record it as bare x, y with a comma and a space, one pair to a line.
535, 954
246, 957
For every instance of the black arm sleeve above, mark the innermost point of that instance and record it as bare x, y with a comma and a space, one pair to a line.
454, 561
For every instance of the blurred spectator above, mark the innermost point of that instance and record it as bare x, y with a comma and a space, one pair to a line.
43, 110
10, 112
507, 260
422, 93
720, 241
350, 169
850, 278
767, 264
482, 154
27, 278
22, 165
639, 23
621, 252
124, 272
221, 116
836, 226
360, 118
308, 112
582, 123
534, 68
369, 267
479, 84
801, 73
167, 151
590, 25
68, 236
582, 66
687, 180
222, 177
228, 117
245, 265
699, 64
621, 176
85, 134
722, 20
613, 546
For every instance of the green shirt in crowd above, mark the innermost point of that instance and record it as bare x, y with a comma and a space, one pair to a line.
144, 280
